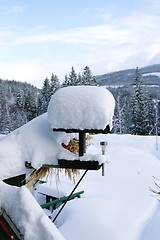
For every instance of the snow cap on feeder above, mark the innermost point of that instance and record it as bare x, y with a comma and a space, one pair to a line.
81, 107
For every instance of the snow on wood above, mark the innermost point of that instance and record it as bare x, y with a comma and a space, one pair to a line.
26, 214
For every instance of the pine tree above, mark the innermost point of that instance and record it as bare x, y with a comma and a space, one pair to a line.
119, 114
72, 79
45, 95
148, 111
79, 79
19, 114
54, 84
87, 78
20, 100
66, 82
139, 113
30, 106
1, 106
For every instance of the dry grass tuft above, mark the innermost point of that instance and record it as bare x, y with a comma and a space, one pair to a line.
37, 174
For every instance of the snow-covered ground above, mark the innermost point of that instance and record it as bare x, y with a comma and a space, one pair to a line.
118, 206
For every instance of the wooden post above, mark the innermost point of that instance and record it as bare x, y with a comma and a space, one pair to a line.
82, 143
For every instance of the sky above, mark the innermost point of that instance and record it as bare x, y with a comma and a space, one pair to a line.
38, 38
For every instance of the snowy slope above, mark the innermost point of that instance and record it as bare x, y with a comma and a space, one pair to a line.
118, 206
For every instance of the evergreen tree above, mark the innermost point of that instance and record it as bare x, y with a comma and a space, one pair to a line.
2, 108
46, 94
19, 113
79, 79
66, 81
148, 111
119, 114
72, 79
20, 100
54, 84
139, 114
40, 109
87, 78
30, 106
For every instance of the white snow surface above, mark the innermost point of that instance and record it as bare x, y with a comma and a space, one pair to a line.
36, 143
118, 206
150, 74
26, 213
81, 107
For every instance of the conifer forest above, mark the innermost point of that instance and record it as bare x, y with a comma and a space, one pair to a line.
136, 112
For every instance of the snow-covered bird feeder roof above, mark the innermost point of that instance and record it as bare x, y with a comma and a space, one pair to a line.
81, 107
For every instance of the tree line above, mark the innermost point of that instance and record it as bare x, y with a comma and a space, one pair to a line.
21, 102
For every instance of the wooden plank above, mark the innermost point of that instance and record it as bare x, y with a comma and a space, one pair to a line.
78, 164
95, 131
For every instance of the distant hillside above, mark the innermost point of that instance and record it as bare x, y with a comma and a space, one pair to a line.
125, 78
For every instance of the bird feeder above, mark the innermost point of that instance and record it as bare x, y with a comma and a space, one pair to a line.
81, 109
80, 164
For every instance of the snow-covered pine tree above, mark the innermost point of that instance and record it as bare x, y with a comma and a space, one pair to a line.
2, 108
65, 82
20, 100
79, 79
20, 117
87, 78
45, 95
139, 113
72, 78
148, 111
30, 105
54, 84
119, 114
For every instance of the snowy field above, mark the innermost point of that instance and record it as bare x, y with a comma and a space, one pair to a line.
118, 206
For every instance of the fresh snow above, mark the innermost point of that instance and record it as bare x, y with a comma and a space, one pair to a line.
81, 107
118, 206
26, 213
37, 144
153, 73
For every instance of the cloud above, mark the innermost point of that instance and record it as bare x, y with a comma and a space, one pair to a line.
116, 42
17, 9
97, 35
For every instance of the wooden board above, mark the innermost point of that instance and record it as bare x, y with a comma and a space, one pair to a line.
77, 164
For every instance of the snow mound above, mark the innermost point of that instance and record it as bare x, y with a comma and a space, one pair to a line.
26, 214
81, 107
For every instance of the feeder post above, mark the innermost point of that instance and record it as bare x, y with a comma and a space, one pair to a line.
103, 170
82, 143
